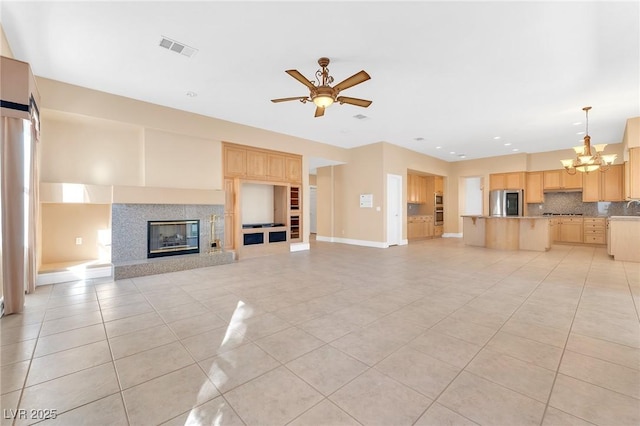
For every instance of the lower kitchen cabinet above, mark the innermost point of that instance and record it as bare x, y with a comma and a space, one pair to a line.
571, 230
595, 230
577, 230
419, 227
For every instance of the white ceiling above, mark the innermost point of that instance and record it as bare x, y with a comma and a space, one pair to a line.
458, 74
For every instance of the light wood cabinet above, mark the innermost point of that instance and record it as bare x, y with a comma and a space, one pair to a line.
533, 191
261, 164
229, 204
293, 169
235, 161
256, 164
276, 167
419, 227
416, 189
282, 170
438, 230
560, 179
595, 230
571, 230
554, 229
438, 184
513, 180
633, 174
604, 186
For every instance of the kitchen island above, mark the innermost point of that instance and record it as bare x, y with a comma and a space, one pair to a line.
507, 233
624, 233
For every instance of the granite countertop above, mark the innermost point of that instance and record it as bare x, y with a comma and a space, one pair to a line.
626, 218
505, 217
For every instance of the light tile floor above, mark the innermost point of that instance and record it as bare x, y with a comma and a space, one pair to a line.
431, 333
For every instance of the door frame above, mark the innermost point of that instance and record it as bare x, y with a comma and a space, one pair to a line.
394, 210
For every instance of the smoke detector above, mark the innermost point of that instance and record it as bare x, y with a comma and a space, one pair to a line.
178, 47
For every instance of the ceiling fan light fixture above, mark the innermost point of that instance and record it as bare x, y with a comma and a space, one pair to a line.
323, 101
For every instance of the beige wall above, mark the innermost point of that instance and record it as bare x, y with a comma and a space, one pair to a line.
631, 137
81, 149
63, 223
98, 138
180, 161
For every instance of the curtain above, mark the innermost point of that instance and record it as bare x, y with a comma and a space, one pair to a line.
12, 193
33, 212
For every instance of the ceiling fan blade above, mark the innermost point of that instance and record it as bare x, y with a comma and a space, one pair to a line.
357, 78
353, 101
319, 112
301, 78
297, 98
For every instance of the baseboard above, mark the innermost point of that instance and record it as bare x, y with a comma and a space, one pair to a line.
363, 243
452, 235
299, 247
56, 277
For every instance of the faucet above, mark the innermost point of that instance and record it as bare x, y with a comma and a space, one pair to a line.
633, 201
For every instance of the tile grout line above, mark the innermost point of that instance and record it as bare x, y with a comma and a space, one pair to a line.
564, 349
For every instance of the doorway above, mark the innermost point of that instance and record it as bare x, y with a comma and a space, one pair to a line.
312, 209
472, 196
394, 210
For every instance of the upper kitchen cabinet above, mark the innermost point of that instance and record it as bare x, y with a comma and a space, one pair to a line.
438, 182
513, 180
604, 186
561, 180
416, 189
633, 174
533, 190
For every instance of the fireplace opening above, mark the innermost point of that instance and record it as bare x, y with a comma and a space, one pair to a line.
172, 237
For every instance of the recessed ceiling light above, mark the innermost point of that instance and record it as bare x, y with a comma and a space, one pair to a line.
438, 147
515, 149
496, 137
452, 152
507, 144
462, 156
191, 94
577, 123
580, 133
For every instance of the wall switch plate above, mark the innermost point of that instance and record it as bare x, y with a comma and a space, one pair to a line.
78, 241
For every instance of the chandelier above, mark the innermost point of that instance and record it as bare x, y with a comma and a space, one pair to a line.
585, 160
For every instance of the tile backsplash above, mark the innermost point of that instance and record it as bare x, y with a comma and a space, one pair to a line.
571, 202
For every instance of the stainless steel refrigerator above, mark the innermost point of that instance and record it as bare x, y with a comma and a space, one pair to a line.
506, 202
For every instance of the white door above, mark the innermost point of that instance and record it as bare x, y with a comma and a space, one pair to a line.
394, 209
312, 209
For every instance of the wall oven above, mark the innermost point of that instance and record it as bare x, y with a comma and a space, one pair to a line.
438, 200
438, 218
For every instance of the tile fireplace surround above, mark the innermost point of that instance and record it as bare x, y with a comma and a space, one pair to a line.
129, 238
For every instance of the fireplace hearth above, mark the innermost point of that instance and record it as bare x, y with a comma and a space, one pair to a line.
172, 237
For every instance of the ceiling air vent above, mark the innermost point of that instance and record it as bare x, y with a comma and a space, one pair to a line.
360, 117
177, 47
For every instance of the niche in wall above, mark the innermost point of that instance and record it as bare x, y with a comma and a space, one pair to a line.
263, 203
63, 223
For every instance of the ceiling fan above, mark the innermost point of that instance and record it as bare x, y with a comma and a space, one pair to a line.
322, 94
